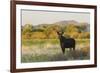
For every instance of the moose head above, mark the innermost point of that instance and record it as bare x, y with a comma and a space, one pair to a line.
60, 32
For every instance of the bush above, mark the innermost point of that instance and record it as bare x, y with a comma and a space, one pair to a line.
84, 35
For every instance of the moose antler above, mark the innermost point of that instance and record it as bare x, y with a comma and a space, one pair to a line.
59, 29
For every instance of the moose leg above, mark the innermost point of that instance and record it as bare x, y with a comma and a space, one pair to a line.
63, 50
74, 48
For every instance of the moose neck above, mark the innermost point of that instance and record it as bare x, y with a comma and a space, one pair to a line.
61, 38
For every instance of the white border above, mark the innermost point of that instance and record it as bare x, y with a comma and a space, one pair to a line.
20, 65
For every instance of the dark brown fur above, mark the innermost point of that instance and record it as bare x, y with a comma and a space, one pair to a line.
66, 42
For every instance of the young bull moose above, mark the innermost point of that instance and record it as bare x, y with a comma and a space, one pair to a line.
66, 42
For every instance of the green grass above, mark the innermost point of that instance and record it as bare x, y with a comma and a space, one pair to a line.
31, 42
42, 50
81, 41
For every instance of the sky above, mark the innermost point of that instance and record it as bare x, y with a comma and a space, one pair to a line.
42, 17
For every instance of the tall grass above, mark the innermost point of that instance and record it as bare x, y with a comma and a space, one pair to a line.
41, 50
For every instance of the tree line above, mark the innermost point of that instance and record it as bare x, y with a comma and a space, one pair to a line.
46, 31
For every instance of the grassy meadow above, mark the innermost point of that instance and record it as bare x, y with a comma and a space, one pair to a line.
43, 50
40, 43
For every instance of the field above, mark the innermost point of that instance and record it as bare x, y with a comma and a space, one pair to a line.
43, 50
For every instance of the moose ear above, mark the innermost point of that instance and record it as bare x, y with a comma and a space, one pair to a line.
57, 32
